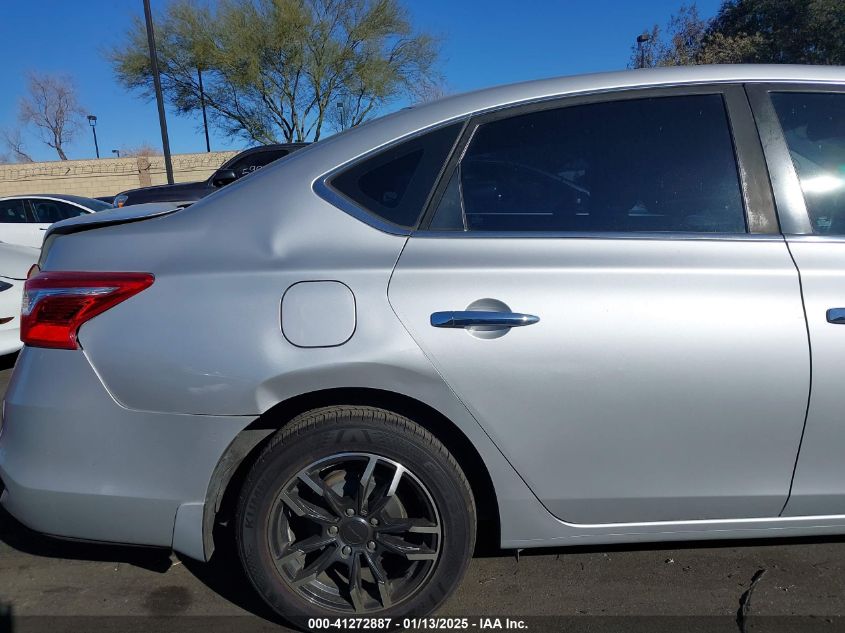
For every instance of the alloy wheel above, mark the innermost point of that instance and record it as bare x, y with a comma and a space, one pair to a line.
355, 532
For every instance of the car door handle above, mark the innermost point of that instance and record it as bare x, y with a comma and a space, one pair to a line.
468, 318
836, 315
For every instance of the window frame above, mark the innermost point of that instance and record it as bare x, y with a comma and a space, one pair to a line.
30, 211
756, 193
324, 189
789, 200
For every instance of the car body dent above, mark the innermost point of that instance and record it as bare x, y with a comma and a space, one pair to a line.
238, 365
111, 495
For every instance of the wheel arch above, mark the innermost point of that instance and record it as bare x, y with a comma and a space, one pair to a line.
233, 466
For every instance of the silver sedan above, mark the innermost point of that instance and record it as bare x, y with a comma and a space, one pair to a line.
588, 310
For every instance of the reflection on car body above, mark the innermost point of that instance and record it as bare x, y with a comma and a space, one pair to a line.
573, 311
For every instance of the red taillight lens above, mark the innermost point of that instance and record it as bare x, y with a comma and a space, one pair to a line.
56, 304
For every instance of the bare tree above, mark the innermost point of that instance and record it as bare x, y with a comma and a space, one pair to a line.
429, 89
51, 105
13, 141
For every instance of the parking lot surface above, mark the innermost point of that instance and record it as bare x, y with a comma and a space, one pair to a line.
759, 585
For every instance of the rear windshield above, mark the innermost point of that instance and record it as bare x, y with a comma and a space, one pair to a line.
394, 184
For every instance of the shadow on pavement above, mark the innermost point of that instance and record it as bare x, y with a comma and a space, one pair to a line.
8, 361
20, 538
224, 575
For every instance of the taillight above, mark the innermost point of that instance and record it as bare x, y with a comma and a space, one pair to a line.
56, 304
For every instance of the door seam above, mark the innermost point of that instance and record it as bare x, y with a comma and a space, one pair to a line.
810, 385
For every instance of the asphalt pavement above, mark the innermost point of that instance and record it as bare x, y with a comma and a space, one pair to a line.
798, 585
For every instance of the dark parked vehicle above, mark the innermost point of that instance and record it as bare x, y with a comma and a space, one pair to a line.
236, 167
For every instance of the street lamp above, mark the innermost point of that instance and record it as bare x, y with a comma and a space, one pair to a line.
162, 120
92, 121
202, 105
642, 39
116, 152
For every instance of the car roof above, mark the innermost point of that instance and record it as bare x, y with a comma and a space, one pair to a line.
644, 78
385, 130
273, 147
78, 200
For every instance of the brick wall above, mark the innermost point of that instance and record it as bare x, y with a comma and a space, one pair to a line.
105, 176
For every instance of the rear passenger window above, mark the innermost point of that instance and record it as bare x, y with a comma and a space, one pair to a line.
49, 211
814, 127
656, 164
394, 184
12, 212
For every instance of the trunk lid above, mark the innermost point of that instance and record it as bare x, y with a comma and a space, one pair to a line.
134, 213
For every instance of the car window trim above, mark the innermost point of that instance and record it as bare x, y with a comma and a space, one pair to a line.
29, 211
788, 195
30, 205
758, 204
323, 188
602, 235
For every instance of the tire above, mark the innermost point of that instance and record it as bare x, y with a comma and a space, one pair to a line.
318, 525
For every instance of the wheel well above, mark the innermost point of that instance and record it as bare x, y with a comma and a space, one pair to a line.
432, 420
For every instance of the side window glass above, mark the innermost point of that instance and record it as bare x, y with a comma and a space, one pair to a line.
46, 211
12, 212
395, 184
814, 128
49, 211
654, 164
69, 211
255, 161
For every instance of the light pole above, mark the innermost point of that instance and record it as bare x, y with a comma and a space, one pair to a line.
151, 42
642, 39
116, 152
202, 104
92, 121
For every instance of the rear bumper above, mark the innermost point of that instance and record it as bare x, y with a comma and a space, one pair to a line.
77, 464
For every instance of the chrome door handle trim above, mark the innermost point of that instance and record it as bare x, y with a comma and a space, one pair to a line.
468, 318
836, 315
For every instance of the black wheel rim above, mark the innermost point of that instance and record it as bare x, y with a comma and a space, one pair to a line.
355, 532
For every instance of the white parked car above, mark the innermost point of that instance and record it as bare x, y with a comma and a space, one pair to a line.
23, 219
15, 262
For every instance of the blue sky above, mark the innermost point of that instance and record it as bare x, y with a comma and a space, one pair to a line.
484, 43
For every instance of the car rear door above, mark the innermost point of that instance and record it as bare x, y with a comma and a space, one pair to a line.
803, 129
16, 223
602, 282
